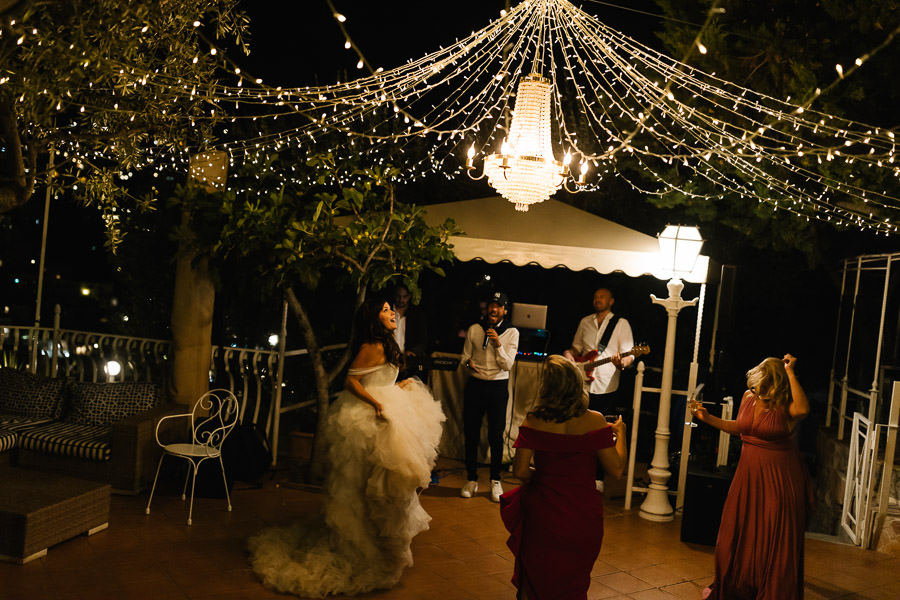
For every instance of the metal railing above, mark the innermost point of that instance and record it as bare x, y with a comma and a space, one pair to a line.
257, 376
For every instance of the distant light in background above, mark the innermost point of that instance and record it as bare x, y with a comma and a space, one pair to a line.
85, 291
112, 368
273, 339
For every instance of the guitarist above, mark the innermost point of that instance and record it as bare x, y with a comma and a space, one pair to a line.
610, 335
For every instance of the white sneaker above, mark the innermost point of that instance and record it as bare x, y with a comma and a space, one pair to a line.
496, 490
598, 483
469, 489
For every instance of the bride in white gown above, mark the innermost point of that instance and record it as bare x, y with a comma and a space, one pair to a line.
382, 439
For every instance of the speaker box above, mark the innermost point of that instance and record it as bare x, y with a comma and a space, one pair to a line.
704, 497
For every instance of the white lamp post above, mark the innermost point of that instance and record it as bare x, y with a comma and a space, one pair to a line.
679, 248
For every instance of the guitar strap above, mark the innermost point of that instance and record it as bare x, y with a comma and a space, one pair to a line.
607, 334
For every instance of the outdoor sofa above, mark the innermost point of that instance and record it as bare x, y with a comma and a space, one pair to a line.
97, 431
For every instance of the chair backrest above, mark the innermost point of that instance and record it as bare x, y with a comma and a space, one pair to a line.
213, 417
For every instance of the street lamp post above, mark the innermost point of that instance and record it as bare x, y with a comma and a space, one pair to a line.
679, 248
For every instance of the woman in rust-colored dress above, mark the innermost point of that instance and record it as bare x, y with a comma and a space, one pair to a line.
555, 519
759, 551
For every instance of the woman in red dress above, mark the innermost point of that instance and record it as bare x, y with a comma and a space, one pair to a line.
555, 519
759, 551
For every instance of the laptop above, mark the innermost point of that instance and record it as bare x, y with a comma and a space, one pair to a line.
529, 316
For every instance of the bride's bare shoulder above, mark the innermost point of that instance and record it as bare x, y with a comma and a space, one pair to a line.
371, 354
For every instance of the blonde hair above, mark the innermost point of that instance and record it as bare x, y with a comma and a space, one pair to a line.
769, 381
562, 396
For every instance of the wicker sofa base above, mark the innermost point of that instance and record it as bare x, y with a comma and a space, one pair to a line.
38, 510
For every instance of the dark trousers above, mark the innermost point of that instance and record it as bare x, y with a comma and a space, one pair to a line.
606, 404
484, 397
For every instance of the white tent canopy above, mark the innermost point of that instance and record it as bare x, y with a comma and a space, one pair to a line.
552, 234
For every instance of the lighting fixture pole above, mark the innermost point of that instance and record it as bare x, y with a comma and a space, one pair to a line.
679, 248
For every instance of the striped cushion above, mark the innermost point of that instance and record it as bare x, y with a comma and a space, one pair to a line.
106, 403
91, 442
7, 440
18, 422
31, 396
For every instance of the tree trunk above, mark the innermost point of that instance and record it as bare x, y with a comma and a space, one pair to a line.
19, 181
317, 464
192, 313
323, 379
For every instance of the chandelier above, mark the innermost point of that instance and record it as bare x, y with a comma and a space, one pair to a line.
525, 171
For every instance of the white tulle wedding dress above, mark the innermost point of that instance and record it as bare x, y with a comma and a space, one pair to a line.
361, 542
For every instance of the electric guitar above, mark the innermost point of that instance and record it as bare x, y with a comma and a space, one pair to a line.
586, 361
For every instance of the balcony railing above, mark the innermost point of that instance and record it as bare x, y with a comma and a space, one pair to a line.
250, 373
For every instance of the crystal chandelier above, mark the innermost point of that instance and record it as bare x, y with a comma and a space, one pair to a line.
525, 171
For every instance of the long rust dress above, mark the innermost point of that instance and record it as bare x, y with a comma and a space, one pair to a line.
555, 521
759, 551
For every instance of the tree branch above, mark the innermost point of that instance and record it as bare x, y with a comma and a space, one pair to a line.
21, 183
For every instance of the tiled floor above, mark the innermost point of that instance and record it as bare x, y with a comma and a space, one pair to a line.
462, 556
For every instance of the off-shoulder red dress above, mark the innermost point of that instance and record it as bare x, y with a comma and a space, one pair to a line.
555, 521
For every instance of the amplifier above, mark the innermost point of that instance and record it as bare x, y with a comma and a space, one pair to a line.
444, 363
704, 498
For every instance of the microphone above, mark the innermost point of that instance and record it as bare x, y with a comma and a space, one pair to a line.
486, 325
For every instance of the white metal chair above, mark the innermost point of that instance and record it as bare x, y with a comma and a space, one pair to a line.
212, 418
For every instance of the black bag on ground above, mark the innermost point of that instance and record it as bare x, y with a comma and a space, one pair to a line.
246, 453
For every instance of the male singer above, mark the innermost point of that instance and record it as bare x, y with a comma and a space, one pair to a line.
489, 353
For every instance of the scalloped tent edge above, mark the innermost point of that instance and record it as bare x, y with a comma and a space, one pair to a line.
552, 234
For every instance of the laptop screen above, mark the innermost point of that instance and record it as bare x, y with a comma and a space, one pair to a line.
529, 316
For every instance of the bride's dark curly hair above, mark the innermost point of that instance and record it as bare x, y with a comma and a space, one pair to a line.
562, 396
369, 328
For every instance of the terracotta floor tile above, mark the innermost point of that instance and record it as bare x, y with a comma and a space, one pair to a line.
462, 557
623, 582
601, 567
598, 591
657, 576
654, 594
688, 590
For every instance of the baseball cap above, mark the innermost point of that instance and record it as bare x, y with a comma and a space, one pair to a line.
499, 298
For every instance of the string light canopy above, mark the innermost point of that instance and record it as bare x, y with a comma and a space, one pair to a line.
616, 106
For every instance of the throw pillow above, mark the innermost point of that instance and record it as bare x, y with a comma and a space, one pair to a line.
27, 395
106, 403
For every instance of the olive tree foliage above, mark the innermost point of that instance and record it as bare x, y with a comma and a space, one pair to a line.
788, 51
105, 84
344, 231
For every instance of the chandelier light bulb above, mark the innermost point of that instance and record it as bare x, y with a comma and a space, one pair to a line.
526, 171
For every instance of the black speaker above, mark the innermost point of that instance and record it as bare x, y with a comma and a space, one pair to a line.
704, 497
725, 299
